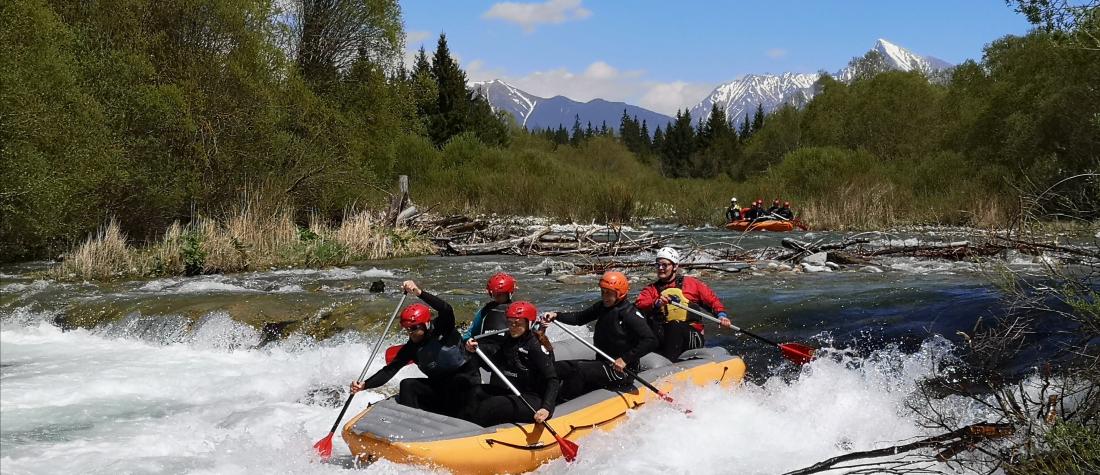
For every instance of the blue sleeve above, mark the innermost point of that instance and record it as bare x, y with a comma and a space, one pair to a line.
478, 317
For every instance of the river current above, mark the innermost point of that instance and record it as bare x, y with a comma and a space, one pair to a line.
242, 373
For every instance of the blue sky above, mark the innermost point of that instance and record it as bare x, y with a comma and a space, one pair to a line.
665, 55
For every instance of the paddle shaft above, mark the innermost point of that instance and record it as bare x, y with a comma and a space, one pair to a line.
511, 386
488, 333
609, 359
373, 353
732, 327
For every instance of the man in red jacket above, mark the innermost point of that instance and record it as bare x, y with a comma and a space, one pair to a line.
679, 335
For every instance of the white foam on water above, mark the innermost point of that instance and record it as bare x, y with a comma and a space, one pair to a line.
332, 274
81, 401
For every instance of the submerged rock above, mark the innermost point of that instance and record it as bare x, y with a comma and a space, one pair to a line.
816, 259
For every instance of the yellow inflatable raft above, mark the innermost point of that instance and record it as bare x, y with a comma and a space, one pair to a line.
405, 435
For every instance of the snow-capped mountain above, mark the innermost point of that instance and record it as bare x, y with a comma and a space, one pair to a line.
536, 112
740, 97
900, 59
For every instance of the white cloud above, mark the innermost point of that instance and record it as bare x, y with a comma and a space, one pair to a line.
776, 53
667, 98
529, 15
599, 80
416, 38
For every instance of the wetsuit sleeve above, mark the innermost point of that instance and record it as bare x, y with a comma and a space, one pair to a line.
478, 317
543, 362
708, 297
636, 323
647, 298
444, 324
406, 354
582, 317
489, 347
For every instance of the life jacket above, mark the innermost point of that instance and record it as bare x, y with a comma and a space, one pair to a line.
694, 320
492, 318
515, 363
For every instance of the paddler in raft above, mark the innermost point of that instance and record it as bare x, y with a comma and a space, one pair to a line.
490, 316
621, 331
526, 358
436, 348
677, 329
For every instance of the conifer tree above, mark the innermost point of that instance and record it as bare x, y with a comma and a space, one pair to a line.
452, 105
425, 90
758, 118
578, 134
746, 130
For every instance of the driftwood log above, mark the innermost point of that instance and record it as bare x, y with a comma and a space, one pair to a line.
948, 445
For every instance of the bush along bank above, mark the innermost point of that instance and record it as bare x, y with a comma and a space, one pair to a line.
245, 241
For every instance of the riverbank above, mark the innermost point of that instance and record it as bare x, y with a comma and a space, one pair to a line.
244, 241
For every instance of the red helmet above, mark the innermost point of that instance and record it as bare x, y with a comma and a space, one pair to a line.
501, 282
615, 281
776, 202
522, 310
415, 314
786, 204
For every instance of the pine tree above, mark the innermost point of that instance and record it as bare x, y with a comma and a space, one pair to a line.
758, 118
645, 143
658, 140
452, 104
561, 137
746, 130
425, 90
679, 144
578, 134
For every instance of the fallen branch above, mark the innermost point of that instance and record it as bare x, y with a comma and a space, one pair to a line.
949, 444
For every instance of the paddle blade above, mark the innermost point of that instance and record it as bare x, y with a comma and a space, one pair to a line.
797, 353
669, 400
391, 353
324, 447
568, 448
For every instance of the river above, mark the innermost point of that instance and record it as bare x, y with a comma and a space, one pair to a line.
242, 373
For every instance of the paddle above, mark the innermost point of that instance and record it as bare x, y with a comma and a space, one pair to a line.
324, 446
568, 448
658, 392
795, 352
391, 352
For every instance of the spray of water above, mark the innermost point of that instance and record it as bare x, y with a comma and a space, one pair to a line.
210, 402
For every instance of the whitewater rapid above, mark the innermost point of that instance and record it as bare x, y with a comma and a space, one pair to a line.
87, 401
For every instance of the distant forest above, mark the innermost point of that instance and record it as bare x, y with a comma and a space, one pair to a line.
152, 112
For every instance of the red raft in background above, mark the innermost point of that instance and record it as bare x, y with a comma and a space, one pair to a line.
774, 225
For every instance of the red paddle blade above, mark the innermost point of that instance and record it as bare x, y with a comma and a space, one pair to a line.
391, 353
797, 353
669, 400
568, 448
324, 447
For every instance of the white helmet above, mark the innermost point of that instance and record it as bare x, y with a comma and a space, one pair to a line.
733, 200
669, 253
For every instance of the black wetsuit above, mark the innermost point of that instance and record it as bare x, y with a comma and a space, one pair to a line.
733, 214
490, 317
530, 367
452, 375
786, 213
621, 332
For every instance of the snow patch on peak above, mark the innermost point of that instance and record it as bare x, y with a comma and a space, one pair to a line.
741, 97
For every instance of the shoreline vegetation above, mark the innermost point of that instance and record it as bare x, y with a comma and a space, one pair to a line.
248, 239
